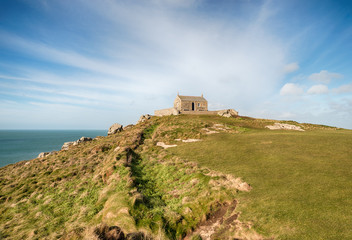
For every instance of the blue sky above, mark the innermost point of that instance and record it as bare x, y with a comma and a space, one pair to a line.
87, 64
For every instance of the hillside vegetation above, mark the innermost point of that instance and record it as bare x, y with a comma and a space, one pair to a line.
125, 186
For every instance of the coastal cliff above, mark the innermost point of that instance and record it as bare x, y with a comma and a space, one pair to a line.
173, 177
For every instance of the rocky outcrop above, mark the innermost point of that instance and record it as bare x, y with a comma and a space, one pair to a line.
74, 143
166, 112
144, 118
66, 145
228, 113
115, 128
82, 139
44, 154
284, 126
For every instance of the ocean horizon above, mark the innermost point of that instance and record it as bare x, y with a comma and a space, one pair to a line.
19, 145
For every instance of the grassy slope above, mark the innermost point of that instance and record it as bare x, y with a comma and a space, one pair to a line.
122, 180
301, 181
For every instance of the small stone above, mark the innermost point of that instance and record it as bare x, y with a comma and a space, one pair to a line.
187, 210
84, 139
228, 113
194, 181
43, 154
284, 126
144, 118
163, 145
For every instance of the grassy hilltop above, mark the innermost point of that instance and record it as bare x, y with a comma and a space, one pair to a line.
124, 186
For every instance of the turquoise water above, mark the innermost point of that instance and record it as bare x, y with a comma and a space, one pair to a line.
18, 145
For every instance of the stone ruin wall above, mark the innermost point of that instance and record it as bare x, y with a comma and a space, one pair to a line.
173, 111
199, 112
166, 112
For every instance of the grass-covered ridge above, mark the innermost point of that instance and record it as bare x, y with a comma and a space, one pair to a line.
123, 181
299, 182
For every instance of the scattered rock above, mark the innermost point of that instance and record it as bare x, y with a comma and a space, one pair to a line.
66, 145
208, 131
228, 113
115, 128
177, 139
43, 154
220, 127
84, 139
194, 181
144, 118
191, 140
117, 148
284, 126
163, 145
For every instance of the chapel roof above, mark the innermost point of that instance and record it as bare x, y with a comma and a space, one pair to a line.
192, 98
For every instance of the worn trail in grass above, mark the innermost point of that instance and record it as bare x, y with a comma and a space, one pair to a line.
115, 185
301, 184
301, 181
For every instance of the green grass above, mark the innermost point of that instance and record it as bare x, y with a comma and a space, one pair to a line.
301, 181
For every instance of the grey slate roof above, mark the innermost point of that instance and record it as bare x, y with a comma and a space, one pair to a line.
192, 98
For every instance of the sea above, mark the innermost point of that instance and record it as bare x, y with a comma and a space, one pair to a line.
19, 145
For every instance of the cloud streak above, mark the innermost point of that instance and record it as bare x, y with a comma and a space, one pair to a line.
291, 89
318, 89
172, 52
292, 67
324, 76
125, 58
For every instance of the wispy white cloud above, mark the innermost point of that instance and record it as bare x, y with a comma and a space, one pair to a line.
318, 89
347, 88
292, 67
172, 51
176, 3
291, 89
13, 78
324, 76
139, 54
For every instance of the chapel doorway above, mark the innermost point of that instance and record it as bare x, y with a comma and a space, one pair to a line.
192, 106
